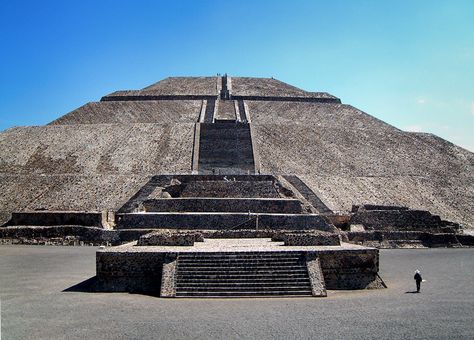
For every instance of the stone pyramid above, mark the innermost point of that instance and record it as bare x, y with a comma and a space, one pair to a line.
98, 156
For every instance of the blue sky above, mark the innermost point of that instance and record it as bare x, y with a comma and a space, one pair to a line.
409, 63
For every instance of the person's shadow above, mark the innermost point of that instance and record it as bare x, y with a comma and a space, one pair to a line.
412, 292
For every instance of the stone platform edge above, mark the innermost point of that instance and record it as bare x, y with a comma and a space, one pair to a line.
150, 269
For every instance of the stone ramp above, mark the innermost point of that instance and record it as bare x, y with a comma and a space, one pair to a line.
308, 194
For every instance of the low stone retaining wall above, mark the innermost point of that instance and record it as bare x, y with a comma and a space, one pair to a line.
466, 240
57, 218
134, 272
401, 218
308, 239
351, 269
409, 239
58, 235
170, 238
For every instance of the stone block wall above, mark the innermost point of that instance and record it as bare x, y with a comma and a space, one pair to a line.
277, 205
51, 218
59, 235
401, 219
409, 239
135, 272
221, 221
170, 238
308, 239
351, 269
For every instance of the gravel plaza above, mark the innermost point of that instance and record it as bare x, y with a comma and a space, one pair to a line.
36, 303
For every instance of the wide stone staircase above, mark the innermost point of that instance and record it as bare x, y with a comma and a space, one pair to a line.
237, 274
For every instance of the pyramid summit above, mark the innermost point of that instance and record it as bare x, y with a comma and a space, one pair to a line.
98, 156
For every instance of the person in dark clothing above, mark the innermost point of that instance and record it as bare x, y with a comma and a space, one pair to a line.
418, 280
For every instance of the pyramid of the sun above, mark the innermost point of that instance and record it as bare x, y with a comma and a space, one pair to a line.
96, 157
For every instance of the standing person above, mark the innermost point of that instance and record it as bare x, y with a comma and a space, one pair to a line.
418, 280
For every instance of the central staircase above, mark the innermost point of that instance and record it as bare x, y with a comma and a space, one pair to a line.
238, 274
226, 148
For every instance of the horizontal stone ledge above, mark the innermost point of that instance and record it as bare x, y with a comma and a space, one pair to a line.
132, 97
219, 221
254, 205
57, 218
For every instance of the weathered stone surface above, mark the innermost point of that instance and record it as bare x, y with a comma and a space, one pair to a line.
310, 238
170, 238
392, 218
224, 205
373, 163
132, 112
225, 148
351, 269
270, 87
222, 221
59, 235
51, 218
409, 239
139, 272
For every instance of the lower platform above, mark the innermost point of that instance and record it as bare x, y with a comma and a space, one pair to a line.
237, 267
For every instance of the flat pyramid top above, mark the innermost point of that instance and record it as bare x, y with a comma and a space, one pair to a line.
211, 86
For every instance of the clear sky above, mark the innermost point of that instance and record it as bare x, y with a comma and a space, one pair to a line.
409, 63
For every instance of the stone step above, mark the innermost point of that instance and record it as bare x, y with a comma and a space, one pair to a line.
242, 274
240, 254
261, 284
248, 259
234, 126
251, 261
206, 271
281, 293
220, 257
223, 135
243, 279
240, 287
239, 265
235, 262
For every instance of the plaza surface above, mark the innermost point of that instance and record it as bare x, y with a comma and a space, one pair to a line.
35, 305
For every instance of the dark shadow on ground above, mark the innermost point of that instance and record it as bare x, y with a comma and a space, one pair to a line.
90, 286
412, 292
86, 286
